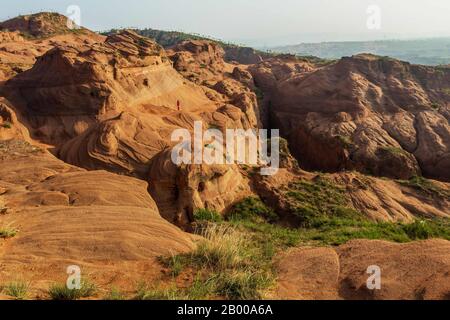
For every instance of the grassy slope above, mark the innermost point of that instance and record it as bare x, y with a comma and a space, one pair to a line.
237, 262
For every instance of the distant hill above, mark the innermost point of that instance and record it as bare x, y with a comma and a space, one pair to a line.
233, 52
425, 51
40, 25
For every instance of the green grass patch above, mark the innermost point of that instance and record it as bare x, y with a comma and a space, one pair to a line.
200, 289
242, 285
251, 208
231, 265
7, 231
235, 261
17, 289
115, 294
337, 231
333, 224
345, 141
393, 150
145, 292
435, 106
59, 291
426, 186
318, 198
207, 215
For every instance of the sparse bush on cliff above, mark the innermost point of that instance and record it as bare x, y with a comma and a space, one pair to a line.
8, 231
426, 186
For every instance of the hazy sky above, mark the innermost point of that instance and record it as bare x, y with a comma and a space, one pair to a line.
257, 22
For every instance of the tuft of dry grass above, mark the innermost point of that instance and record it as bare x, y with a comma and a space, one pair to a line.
17, 289
59, 291
229, 265
224, 248
8, 231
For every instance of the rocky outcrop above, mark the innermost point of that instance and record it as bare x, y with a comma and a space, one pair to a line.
244, 55
89, 81
18, 54
376, 199
413, 271
66, 215
10, 126
95, 113
116, 109
41, 25
368, 113
180, 190
203, 62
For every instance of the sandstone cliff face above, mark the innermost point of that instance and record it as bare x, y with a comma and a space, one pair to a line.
180, 190
243, 55
25, 38
65, 215
112, 105
104, 92
367, 113
88, 100
89, 80
203, 63
10, 126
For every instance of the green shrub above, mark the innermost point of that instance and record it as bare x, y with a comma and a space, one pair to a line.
252, 208
345, 141
6, 125
426, 186
259, 93
115, 294
7, 231
318, 198
61, 292
17, 289
207, 215
176, 263
224, 248
231, 266
394, 150
145, 292
243, 285
435, 106
418, 230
